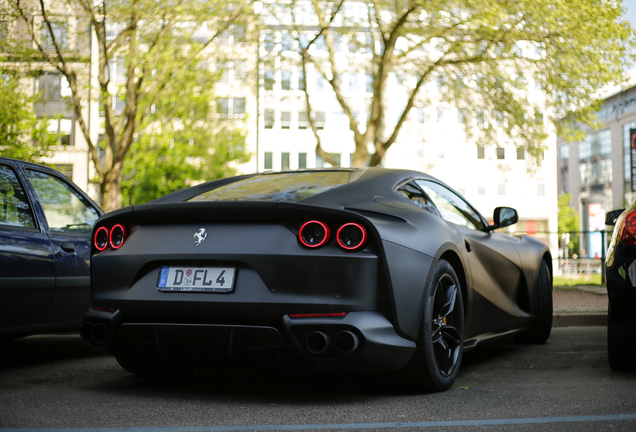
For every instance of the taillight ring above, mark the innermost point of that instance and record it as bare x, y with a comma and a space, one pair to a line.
321, 238
354, 229
102, 232
117, 236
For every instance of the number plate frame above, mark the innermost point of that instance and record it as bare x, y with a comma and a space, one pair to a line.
196, 279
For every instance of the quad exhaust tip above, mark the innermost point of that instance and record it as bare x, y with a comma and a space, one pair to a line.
317, 342
345, 342
97, 333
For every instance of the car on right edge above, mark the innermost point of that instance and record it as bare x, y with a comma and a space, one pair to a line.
621, 290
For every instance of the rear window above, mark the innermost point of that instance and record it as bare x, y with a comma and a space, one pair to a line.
283, 187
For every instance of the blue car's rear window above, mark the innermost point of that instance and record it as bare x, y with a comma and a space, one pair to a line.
281, 187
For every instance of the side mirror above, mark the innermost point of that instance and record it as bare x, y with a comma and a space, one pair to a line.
611, 217
503, 217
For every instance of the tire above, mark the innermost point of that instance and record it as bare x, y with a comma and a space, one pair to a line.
621, 350
540, 330
440, 342
144, 361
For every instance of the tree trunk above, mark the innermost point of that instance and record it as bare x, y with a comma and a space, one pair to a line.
111, 189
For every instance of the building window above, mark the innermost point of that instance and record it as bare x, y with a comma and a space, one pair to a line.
269, 80
287, 42
285, 81
501, 189
320, 44
301, 81
440, 115
120, 104
234, 34
627, 157
232, 72
303, 120
481, 152
267, 160
60, 36
65, 169
117, 70
302, 160
564, 169
481, 190
319, 119
101, 149
285, 119
353, 83
595, 164
284, 161
321, 82
268, 42
540, 189
501, 153
268, 119
230, 107
52, 86
521, 153
64, 129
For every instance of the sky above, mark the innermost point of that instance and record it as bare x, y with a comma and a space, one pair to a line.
630, 13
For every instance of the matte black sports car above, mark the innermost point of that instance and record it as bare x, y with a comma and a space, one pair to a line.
344, 269
621, 290
45, 248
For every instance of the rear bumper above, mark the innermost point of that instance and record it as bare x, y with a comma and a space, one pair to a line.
359, 341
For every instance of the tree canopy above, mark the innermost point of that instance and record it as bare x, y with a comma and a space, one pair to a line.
22, 135
484, 58
140, 45
178, 145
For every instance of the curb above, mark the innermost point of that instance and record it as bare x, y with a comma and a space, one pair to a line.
579, 319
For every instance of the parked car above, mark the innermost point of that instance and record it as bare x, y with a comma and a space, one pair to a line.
45, 244
621, 290
341, 269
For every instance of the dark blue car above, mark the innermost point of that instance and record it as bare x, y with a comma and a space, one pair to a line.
45, 245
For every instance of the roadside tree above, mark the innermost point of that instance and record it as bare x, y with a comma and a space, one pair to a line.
569, 223
147, 42
182, 142
22, 135
483, 58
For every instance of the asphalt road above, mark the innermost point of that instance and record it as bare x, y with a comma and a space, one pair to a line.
57, 382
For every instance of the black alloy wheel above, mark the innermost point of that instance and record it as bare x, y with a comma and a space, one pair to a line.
439, 346
447, 341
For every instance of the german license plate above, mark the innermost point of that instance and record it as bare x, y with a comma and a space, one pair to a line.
199, 279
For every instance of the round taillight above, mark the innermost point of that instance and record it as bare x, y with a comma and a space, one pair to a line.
628, 236
101, 238
117, 236
351, 236
313, 234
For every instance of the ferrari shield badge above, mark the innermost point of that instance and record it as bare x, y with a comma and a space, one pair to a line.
199, 236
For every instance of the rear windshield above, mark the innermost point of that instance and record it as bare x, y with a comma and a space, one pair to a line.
283, 187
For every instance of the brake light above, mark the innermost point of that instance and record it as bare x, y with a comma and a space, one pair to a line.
117, 236
101, 238
320, 315
351, 236
313, 234
628, 235
114, 237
